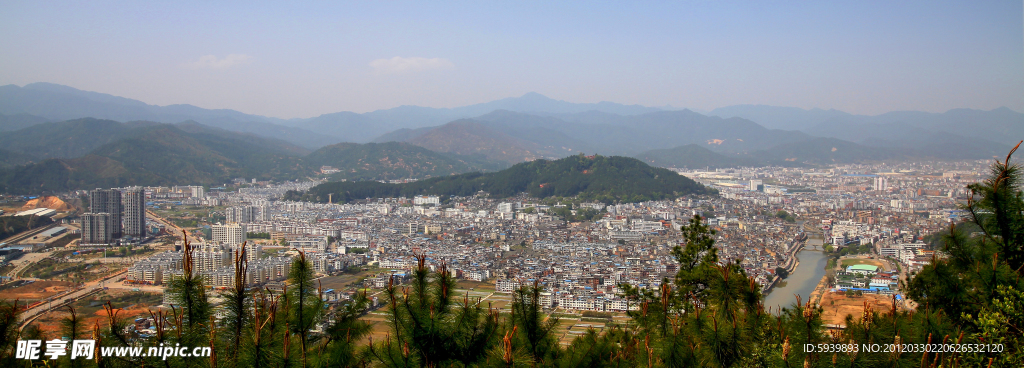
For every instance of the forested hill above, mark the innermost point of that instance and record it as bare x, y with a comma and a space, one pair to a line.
139, 154
599, 178
393, 160
93, 153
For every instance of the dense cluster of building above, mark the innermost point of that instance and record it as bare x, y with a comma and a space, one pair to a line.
115, 216
760, 218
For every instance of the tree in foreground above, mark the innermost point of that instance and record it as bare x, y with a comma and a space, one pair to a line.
10, 316
710, 315
188, 292
531, 329
430, 327
304, 303
237, 306
345, 329
978, 286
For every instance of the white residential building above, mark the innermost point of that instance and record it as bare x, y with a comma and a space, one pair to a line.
421, 200
310, 244
231, 234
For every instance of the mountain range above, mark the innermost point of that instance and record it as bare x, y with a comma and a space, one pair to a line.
1000, 125
42, 122
90, 153
53, 102
655, 137
39, 102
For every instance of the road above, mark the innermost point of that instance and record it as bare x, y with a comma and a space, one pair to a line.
177, 231
89, 288
145, 288
24, 262
109, 260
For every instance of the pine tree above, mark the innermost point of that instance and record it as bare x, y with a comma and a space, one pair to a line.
304, 302
10, 314
429, 328
263, 345
711, 314
113, 335
338, 348
532, 329
968, 280
237, 311
192, 315
188, 291
72, 328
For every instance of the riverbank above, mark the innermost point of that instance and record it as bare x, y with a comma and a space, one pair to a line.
808, 268
819, 290
791, 264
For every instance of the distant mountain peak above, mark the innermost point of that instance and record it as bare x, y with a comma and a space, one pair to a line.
89, 95
470, 137
52, 87
535, 95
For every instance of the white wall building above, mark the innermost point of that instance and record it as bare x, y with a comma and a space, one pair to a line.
505, 207
310, 244
231, 234
421, 200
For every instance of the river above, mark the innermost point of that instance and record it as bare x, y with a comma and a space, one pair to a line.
802, 281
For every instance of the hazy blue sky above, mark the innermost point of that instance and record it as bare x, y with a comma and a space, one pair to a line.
302, 60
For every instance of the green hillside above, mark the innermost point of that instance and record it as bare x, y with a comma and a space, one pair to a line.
18, 121
91, 153
468, 137
392, 160
11, 225
600, 178
66, 139
157, 154
10, 159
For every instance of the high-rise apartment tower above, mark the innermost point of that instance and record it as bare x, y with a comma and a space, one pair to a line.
97, 228
133, 202
107, 201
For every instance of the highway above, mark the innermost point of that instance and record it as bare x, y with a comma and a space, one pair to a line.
167, 224
62, 299
24, 262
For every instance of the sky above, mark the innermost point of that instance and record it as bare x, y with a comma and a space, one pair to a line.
302, 60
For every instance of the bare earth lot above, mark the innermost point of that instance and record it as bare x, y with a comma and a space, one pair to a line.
128, 305
35, 291
837, 306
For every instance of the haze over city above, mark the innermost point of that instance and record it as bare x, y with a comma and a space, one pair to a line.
304, 60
